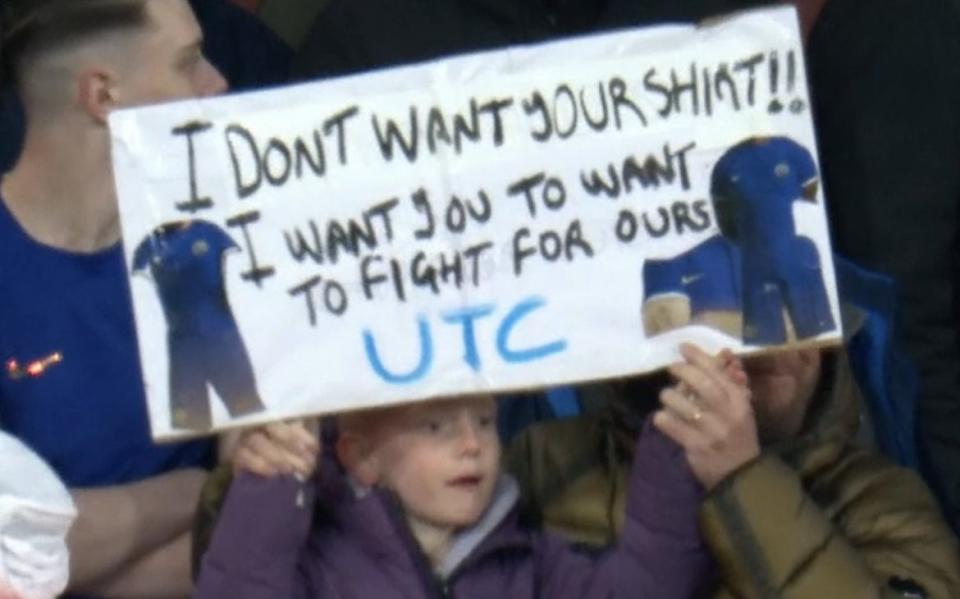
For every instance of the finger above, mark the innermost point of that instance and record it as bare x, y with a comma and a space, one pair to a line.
246, 460
682, 405
732, 363
713, 365
735, 370
292, 438
693, 380
738, 376
279, 456
283, 434
260, 444
306, 433
692, 352
677, 429
295, 458
712, 368
709, 423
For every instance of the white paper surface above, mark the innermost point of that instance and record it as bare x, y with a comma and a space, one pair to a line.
652, 110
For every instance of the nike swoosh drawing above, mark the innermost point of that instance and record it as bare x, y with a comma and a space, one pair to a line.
687, 280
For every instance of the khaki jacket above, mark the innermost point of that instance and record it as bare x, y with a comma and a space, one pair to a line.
820, 518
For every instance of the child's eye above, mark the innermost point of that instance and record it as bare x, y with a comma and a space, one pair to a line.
431, 426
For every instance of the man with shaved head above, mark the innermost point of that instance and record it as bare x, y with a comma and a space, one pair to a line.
71, 386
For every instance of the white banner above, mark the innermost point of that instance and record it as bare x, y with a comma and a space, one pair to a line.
511, 219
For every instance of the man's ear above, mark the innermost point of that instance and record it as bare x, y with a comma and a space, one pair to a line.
98, 93
354, 453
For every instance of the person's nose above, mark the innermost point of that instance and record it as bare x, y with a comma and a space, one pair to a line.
469, 436
210, 82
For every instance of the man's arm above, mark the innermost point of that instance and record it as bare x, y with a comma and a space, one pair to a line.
116, 527
771, 538
162, 574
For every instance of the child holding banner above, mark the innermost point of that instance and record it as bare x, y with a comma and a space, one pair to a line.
417, 507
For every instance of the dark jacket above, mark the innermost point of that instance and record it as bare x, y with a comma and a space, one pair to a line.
353, 36
817, 517
349, 547
887, 104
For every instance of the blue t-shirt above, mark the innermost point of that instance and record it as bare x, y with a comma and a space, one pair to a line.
756, 183
84, 411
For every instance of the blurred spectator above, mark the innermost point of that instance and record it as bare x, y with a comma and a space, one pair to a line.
805, 513
887, 105
291, 19
357, 35
246, 51
36, 512
250, 6
71, 387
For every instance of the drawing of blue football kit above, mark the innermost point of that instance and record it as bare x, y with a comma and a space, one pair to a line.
699, 286
754, 186
185, 260
742, 281
708, 275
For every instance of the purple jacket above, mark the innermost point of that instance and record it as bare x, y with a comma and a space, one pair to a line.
266, 547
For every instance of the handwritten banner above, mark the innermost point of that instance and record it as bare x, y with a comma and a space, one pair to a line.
511, 219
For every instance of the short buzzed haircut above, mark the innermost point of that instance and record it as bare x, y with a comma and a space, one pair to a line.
29, 29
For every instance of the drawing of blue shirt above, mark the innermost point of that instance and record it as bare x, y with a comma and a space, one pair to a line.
708, 274
186, 262
756, 182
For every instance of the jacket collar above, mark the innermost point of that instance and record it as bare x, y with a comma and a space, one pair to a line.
377, 519
832, 420
504, 502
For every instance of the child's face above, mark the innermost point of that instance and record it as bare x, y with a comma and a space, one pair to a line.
441, 458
